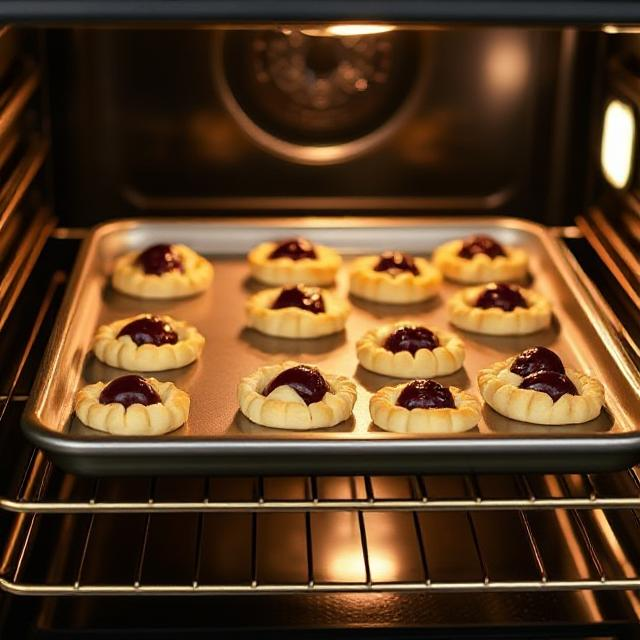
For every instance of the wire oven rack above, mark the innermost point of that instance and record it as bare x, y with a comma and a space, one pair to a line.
317, 534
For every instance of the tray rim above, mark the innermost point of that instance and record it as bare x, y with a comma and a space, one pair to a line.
60, 443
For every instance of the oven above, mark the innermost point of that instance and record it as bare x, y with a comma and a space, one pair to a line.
296, 110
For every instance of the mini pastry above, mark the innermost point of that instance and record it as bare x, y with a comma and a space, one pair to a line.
292, 261
424, 406
297, 312
535, 387
296, 396
480, 259
132, 406
395, 278
499, 310
408, 350
148, 343
162, 271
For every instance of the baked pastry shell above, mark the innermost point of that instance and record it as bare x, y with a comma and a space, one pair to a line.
500, 390
387, 415
425, 363
129, 278
279, 413
137, 419
124, 353
404, 288
480, 268
497, 322
292, 322
319, 271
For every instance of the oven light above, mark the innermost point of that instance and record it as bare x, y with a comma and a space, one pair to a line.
346, 30
613, 29
618, 141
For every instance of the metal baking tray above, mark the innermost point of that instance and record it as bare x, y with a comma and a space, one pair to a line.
219, 440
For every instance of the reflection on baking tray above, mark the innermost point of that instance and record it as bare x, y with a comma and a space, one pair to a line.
285, 346
96, 371
383, 310
251, 285
494, 422
374, 381
511, 345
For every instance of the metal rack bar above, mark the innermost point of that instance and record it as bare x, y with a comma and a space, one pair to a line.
309, 541
535, 550
198, 558
623, 584
476, 544
365, 548
423, 553
314, 503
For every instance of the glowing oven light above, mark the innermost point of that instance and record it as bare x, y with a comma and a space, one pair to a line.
345, 30
618, 141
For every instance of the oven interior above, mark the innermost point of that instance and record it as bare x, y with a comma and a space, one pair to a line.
102, 122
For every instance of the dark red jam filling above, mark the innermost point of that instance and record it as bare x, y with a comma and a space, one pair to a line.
294, 248
425, 394
502, 296
159, 259
536, 359
395, 263
300, 297
150, 330
306, 381
481, 244
128, 390
411, 339
552, 383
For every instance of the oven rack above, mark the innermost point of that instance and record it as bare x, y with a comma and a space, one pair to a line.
295, 552
44, 489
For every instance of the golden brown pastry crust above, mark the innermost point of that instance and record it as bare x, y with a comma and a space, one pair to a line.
496, 322
443, 360
319, 271
137, 419
500, 389
292, 322
124, 353
130, 278
403, 288
387, 415
283, 408
480, 268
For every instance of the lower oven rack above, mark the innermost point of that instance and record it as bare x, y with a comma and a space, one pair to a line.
619, 490
596, 515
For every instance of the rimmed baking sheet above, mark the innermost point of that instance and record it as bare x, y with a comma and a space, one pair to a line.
219, 440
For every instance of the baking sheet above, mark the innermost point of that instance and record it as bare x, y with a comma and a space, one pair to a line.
218, 439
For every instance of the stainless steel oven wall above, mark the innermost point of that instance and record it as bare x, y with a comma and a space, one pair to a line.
610, 221
202, 120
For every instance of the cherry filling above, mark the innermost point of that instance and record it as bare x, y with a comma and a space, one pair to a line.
301, 297
536, 359
425, 394
411, 339
306, 381
552, 383
502, 296
294, 248
395, 262
481, 244
159, 259
150, 330
128, 390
